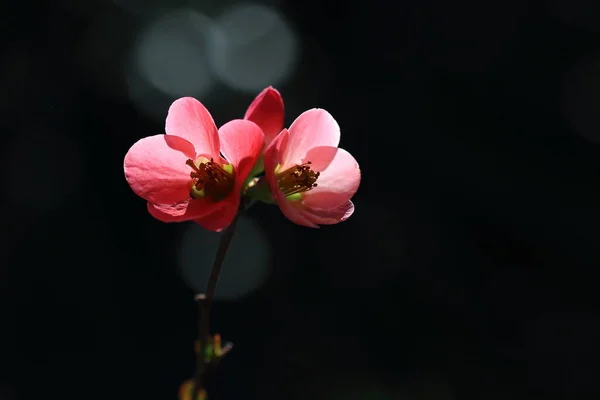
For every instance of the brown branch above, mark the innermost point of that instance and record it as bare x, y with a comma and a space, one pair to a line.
205, 301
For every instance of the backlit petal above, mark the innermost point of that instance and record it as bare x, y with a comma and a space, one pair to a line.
189, 119
267, 112
330, 216
292, 211
313, 128
183, 211
338, 181
155, 168
223, 217
241, 144
272, 158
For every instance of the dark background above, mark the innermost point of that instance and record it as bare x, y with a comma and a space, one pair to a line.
468, 268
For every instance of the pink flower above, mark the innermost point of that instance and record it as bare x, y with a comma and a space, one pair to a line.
182, 174
312, 180
267, 111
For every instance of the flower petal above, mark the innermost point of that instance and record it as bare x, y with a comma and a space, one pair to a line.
155, 168
330, 216
271, 159
313, 128
241, 144
183, 210
274, 150
291, 212
338, 181
189, 119
223, 217
267, 112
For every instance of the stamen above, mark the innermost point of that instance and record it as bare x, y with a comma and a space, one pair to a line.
210, 179
297, 179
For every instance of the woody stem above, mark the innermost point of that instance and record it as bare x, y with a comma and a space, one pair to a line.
205, 304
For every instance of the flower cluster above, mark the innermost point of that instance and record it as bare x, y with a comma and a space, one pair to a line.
196, 172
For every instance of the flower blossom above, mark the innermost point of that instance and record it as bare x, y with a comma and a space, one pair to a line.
267, 111
194, 171
311, 179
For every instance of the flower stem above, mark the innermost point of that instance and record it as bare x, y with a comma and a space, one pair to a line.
205, 304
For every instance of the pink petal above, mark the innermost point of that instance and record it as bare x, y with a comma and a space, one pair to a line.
223, 217
330, 216
184, 210
271, 159
338, 181
155, 168
241, 144
189, 119
312, 128
291, 212
267, 112
275, 150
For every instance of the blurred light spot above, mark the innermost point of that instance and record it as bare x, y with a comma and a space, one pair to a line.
580, 13
41, 169
171, 54
581, 99
251, 47
246, 265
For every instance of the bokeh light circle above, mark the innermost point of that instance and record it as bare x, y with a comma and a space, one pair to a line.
251, 47
246, 265
171, 54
